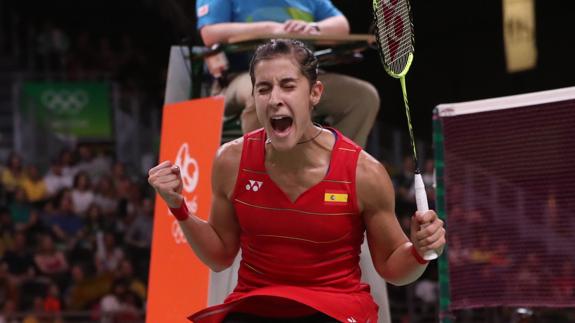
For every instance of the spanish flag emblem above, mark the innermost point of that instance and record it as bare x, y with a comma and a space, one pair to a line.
335, 197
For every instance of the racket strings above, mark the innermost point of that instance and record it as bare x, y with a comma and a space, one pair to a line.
402, 48
399, 59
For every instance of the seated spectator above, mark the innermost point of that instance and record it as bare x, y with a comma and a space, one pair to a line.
139, 234
94, 224
48, 259
64, 223
119, 174
13, 175
109, 255
129, 203
105, 195
56, 180
19, 260
22, 271
117, 306
52, 303
95, 167
135, 285
20, 208
67, 162
82, 194
101, 164
34, 227
85, 290
34, 185
51, 263
85, 157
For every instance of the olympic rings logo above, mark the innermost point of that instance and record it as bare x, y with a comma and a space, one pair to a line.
177, 233
65, 101
176, 230
190, 172
189, 168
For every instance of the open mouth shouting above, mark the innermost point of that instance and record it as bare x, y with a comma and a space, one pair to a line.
281, 125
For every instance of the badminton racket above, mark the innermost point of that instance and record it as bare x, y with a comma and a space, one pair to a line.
395, 42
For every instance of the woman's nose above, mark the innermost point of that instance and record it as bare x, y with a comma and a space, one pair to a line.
276, 97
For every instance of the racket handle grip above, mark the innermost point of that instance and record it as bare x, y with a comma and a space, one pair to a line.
420, 194
422, 206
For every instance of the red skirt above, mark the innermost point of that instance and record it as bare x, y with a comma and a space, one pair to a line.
292, 301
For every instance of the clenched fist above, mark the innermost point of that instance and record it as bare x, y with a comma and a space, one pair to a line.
165, 178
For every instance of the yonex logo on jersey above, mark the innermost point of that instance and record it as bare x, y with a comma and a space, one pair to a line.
254, 186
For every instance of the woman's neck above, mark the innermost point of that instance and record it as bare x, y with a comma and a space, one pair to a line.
311, 152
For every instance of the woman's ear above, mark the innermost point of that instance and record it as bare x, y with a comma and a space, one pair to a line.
316, 92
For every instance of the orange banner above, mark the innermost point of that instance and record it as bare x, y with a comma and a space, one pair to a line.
178, 284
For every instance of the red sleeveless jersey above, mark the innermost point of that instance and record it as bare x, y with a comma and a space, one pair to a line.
298, 257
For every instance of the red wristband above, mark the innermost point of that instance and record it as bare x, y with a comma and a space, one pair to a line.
181, 213
417, 256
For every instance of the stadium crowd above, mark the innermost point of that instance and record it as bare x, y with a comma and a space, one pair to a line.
75, 237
